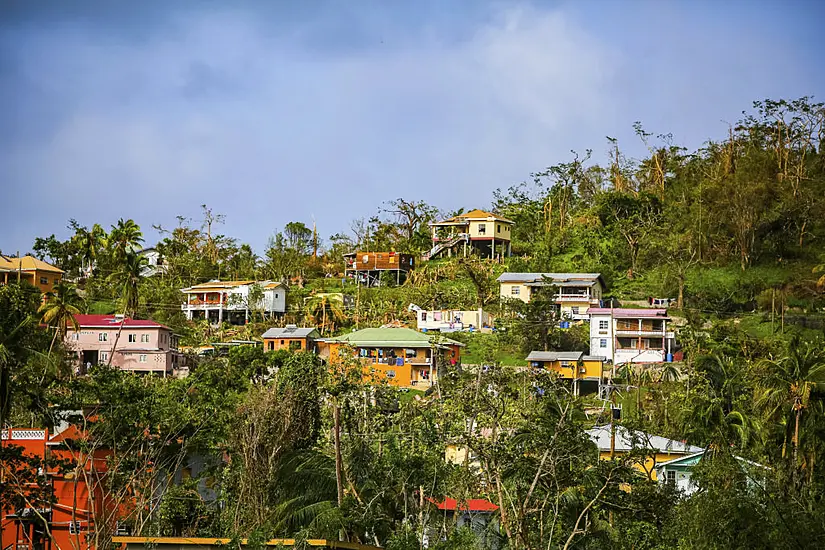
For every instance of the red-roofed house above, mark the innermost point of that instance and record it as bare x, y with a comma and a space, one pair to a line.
475, 514
143, 347
625, 335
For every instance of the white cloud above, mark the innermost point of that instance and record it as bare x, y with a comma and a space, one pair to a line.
219, 111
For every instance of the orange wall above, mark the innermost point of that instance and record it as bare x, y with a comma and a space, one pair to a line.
275, 344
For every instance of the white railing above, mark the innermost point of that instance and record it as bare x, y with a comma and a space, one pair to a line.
25, 435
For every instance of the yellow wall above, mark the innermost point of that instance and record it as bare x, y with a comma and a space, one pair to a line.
405, 374
647, 464
491, 229
593, 369
506, 290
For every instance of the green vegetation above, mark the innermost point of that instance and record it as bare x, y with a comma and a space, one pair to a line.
292, 447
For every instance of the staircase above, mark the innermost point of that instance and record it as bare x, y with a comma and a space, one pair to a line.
434, 251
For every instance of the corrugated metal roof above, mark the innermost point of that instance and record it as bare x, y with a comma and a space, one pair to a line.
473, 215
290, 331
26, 263
512, 277
392, 336
555, 355
110, 321
625, 440
623, 313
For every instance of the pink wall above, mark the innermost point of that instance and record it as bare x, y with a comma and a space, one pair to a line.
139, 348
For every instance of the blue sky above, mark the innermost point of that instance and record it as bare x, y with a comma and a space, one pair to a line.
271, 112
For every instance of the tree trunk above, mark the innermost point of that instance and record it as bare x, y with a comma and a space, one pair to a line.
336, 417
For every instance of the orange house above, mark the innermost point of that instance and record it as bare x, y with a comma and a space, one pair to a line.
71, 517
290, 337
402, 357
28, 268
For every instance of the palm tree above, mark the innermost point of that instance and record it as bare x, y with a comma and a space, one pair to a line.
788, 384
128, 276
59, 309
90, 242
324, 305
715, 412
124, 238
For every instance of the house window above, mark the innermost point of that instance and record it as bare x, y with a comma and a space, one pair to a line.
133, 338
603, 343
423, 315
282, 342
75, 336
482, 229
103, 356
671, 476
515, 291
74, 528
575, 310
271, 345
499, 228
603, 324
103, 337
276, 294
44, 281
409, 353
142, 358
390, 374
145, 338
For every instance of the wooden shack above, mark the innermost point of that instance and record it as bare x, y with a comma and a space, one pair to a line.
366, 267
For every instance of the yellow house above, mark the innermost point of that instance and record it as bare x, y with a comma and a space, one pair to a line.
574, 294
401, 357
487, 234
649, 450
28, 268
585, 371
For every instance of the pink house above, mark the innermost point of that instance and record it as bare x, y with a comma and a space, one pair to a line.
143, 347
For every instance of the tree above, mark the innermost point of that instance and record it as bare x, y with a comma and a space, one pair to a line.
328, 308
90, 242
124, 239
633, 218
60, 308
788, 387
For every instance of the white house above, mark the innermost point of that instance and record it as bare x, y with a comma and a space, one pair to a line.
155, 262
233, 301
630, 335
576, 291
450, 320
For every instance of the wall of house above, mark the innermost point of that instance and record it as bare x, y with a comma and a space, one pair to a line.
497, 229
592, 369
88, 338
647, 463
296, 344
275, 299
506, 291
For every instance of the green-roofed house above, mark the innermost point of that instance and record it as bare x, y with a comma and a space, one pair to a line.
402, 356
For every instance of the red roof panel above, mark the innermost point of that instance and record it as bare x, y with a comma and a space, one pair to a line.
472, 505
112, 321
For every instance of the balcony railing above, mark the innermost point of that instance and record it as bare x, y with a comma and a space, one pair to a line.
573, 298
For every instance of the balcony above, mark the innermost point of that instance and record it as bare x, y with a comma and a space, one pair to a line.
574, 298
199, 305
